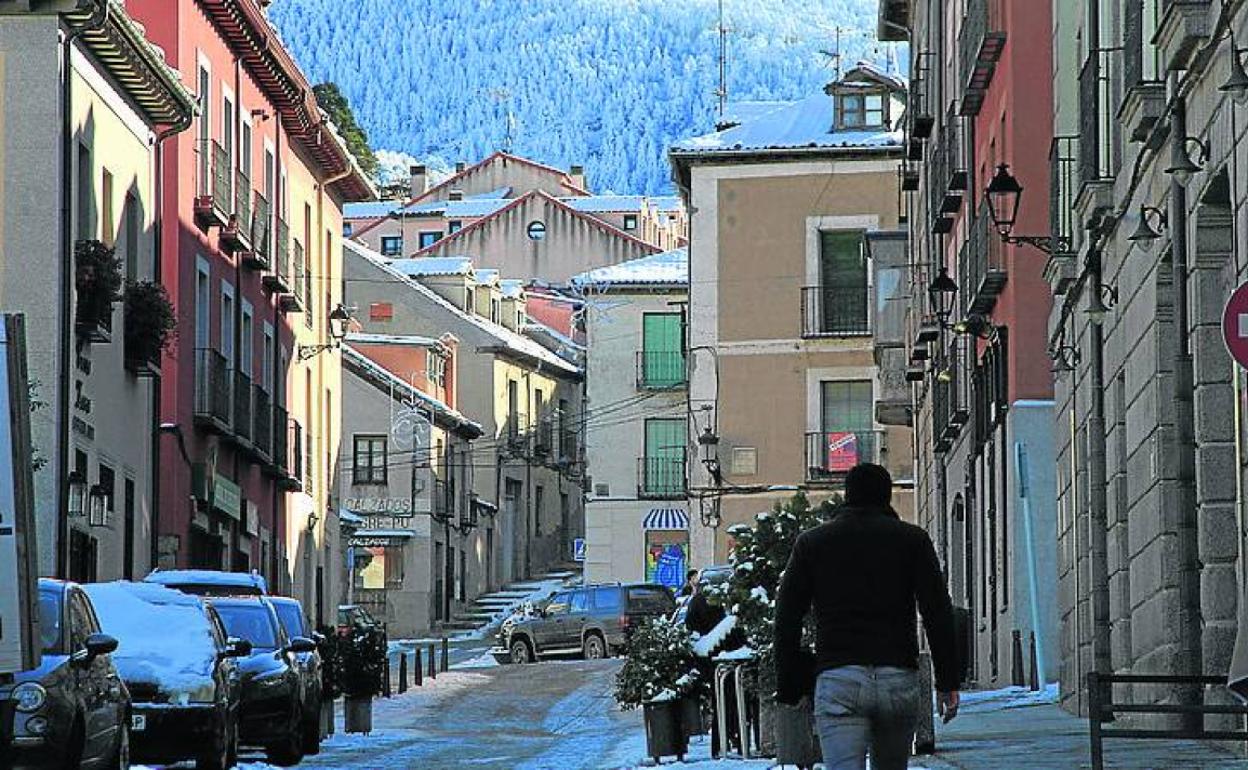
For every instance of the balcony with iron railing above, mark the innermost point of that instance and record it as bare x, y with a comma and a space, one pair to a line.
1059, 271
277, 280
213, 195
236, 236
829, 311
292, 478
440, 502
544, 436
979, 48
293, 299
262, 423
661, 478
212, 390
661, 369
261, 234
985, 263
281, 440
831, 453
954, 163
516, 432
242, 406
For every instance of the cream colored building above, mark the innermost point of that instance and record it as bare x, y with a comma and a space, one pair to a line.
80, 125
526, 469
784, 304
636, 516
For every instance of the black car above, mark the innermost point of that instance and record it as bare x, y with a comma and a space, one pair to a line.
594, 621
73, 710
272, 713
181, 670
295, 624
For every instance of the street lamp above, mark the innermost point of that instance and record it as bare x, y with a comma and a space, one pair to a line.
1237, 82
941, 291
77, 484
1146, 234
976, 325
1004, 194
339, 320
1182, 167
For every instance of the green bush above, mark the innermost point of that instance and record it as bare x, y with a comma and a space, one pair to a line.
660, 664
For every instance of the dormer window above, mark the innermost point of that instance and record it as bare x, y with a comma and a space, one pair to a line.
862, 110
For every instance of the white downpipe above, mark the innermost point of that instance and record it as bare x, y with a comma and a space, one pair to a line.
1024, 493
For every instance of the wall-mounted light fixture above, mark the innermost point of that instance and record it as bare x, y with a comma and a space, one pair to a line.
1146, 233
77, 484
1182, 167
339, 320
1005, 194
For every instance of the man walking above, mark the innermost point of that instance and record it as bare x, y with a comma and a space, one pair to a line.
864, 571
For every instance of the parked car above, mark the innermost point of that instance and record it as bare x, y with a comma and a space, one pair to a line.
181, 670
73, 710
271, 713
295, 624
594, 621
352, 618
207, 582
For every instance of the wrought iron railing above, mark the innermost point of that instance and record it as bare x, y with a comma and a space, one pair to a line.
221, 179
661, 478
1063, 189
660, 369
242, 202
516, 431
1090, 106
299, 278
831, 311
831, 453
294, 462
212, 385
986, 274
261, 227
282, 253
281, 438
242, 405
979, 47
261, 420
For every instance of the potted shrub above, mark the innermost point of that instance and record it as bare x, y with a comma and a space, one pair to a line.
331, 666
97, 282
659, 675
361, 674
150, 325
760, 553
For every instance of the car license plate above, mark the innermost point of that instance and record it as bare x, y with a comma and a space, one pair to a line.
138, 722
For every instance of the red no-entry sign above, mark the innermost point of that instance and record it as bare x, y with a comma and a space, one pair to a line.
1235, 325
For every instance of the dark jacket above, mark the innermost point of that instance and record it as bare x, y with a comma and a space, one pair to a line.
864, 571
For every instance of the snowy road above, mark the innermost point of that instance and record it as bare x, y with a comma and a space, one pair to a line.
547, 715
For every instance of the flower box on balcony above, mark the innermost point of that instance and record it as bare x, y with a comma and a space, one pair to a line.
150, 324
97, 283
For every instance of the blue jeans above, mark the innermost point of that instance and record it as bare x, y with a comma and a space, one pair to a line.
861, 709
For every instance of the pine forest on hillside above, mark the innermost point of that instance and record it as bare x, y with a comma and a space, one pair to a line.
606, 83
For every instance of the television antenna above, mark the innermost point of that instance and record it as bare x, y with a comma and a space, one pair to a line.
722, 92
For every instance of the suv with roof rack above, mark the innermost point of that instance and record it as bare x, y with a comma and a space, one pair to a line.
593, 621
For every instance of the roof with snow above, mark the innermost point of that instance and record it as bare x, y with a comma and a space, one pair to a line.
467, 207
512, 288
429, 266
486, 275
361, 360
607, 203
363, 338
668, 203
507, 339
743, 112
670, 268
371, 209
803, 125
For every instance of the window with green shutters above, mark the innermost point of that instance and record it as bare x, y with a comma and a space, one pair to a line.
662, 357
663, 466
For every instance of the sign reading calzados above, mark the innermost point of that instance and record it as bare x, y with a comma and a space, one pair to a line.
391, 506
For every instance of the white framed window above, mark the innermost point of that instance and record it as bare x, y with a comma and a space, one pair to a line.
391, 245
227, 321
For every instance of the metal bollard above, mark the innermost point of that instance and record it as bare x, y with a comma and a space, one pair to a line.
418, 668
1034, 678
446, 654
1016, 658
402, 673
433, 662
385, 685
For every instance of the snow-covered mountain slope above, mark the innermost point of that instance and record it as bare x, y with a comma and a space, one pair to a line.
605, 83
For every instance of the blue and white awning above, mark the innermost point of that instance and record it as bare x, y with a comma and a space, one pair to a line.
666, 518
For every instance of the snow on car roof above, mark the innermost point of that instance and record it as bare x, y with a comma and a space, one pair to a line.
180, 577
163, 636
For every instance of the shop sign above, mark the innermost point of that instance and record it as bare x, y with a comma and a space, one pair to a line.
390, 506
227, 497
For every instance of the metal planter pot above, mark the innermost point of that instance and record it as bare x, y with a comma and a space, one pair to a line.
358, 715
691, 715
665, 730
327, 717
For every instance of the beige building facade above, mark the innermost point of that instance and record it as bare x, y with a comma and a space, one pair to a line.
784, 380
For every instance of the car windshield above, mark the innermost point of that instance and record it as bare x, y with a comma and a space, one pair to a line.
50, 621
251, 622
644, 599
291, 617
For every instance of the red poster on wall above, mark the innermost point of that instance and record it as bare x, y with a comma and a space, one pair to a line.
842, 451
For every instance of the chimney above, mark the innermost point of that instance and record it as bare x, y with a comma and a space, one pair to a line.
577, 174
457, 195
419, 181
460, 166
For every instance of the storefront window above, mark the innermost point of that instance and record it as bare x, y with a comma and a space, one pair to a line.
379, 567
